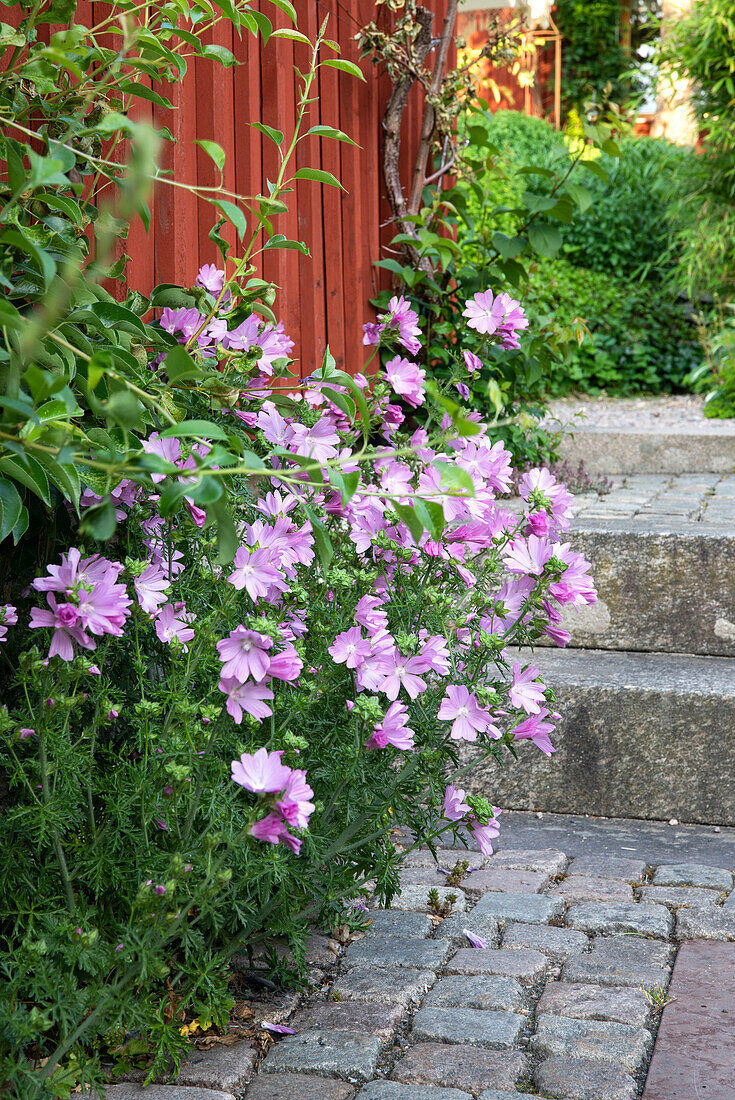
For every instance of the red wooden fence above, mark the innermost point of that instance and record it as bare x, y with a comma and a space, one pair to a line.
323, 299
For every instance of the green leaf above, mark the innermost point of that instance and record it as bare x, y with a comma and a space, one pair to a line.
11, 507
544, 239
64, 476
287, 7
227, 537
279, 241
318, 176
21, 527
125, 409
345, 66
329, 132
276, 136
114, 316
213, 150
100, 520
580, 195
219, 53
408, 515
180, 366
595, 168
294, 36
454, 478
30, 474
189, 429
323, 543
345, 484
63, 203
341, 400
233, 214
507, 247
431, 515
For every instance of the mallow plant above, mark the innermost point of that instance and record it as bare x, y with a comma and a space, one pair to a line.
201, 758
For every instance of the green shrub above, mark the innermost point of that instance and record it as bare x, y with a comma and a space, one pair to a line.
639, 338
627, 229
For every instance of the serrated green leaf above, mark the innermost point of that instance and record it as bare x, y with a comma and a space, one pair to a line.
214, 151
188, 429
318, 176
276, 136
329, 132
345, 66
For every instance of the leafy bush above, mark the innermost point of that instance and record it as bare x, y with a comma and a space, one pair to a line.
593, 59
627, 229
332, 669
640, 339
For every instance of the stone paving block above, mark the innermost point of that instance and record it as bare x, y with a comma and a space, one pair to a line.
219, 1067
621, 960
619, 1044
395, 951
587, 888
422, 876
547, 860
296, 1086
510, 882
365, 984
493, 1094
445, 857
415, 898
460, 1066
494, 992
705, 924
556, 943
581, 1079
647, 920
481, 1028
524, 908
602, 866
526, 967
391, 1090
361, 1019
693, 874
680, 897
129, 1091
729, 902
394, 922
623, 1005
326, 1054
453, 928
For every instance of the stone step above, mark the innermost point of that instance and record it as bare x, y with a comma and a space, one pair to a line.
667, 587
663, 557
644, 436
649, 735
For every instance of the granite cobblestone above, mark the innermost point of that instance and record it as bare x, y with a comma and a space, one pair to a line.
577, 950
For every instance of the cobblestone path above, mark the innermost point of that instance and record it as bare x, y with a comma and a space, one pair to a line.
563, 1003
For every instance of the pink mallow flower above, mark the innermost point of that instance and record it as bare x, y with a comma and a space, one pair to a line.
8, 617
172, 624
295, 805
501, 314
244, 653
402, 317
249, 697
261, 772
472, 361
537, 730
255, 573
541, 490
403, 673
528, 556
525, 691
150, 588
350, 648
469, 717
272, 829
211, 278
485, 834
393, 730
406, 379
455, 807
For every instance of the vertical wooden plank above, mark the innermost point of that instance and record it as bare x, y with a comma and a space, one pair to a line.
215, 116
175, 210
335, 262
313, 330
279, 110
248, 108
